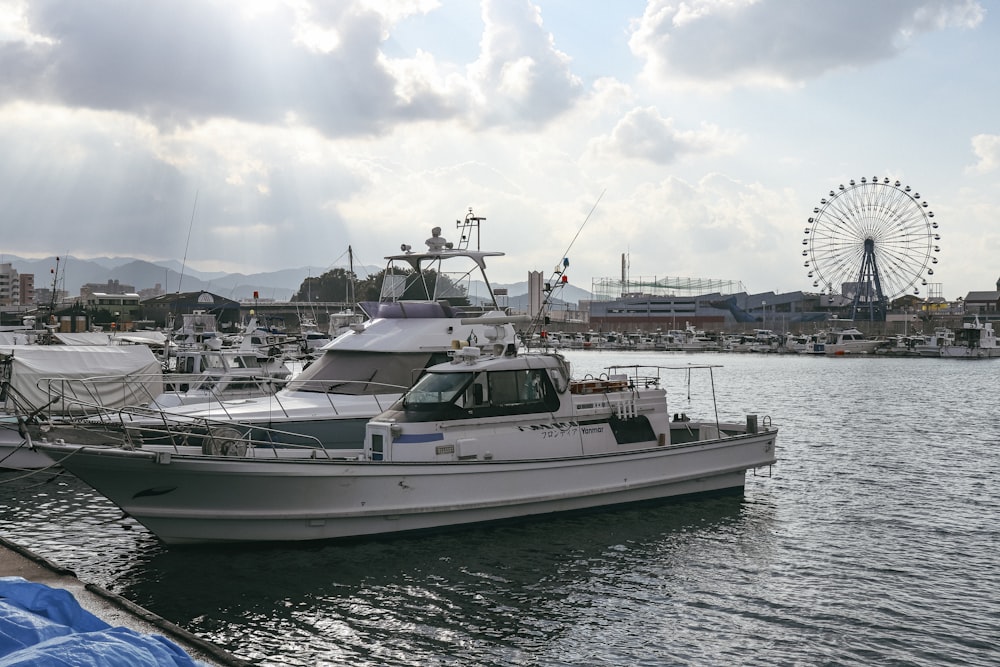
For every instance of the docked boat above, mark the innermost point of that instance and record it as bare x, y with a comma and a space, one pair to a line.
223, 374
202, 369
41, 383
930, 344
688, 339
975, 340
760, 341
311, 337
432, 302
476, 439
839, 342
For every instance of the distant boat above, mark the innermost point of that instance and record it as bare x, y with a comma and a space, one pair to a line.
837, 342
931, 344
975, 340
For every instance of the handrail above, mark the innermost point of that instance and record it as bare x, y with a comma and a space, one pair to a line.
75, 396
133, 426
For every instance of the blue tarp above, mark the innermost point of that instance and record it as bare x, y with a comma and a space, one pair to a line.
42, 626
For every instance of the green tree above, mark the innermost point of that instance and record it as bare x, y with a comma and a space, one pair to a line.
334, 285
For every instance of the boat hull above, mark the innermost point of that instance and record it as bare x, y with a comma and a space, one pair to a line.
19, 456
207, 499
964, 352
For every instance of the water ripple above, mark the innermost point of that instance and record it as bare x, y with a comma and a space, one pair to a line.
872, 541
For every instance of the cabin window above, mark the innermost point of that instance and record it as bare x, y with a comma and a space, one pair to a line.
514, 387
528, 390
213, 361
378, 447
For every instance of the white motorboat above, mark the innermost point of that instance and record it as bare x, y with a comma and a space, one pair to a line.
477, 439
688, 339
975, 340
761, 340
838, 342
431, 303
930, 344
311, 338
224, 374
202, 370
46, 382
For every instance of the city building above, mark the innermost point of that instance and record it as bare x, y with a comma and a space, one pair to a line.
111, 287
10, 286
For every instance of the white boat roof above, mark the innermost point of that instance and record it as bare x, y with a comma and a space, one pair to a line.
414, 259
142, 337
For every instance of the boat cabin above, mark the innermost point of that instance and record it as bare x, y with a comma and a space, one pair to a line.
464, 390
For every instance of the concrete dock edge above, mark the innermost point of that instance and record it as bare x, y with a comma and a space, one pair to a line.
112, 608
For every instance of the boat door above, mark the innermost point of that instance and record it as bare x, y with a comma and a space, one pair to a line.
378, 441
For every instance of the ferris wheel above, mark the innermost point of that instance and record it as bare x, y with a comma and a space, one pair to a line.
873, 241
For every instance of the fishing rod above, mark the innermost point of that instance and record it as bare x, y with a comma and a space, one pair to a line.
558, 279
188, 242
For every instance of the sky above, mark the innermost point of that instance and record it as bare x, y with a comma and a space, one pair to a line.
692, 138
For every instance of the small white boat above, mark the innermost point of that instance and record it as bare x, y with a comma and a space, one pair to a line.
931, 344
221, 375
201, 369
975, 340
839, 342
311, 337
478, 439
760, 341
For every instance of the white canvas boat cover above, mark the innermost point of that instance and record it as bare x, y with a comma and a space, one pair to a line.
83, 338
79, 377
152, 338
13, 338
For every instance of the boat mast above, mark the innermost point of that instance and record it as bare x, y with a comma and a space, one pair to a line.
470, 223
52, 297
350, 279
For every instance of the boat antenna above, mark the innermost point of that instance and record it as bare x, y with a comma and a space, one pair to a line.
467, 226
52, 297
558, 278
188, 242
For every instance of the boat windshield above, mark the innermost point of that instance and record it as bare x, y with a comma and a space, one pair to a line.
437, 389
363, 373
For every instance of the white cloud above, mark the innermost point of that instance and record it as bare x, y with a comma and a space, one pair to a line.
305, 127
645, 135
521, 78
738, 43
987, 149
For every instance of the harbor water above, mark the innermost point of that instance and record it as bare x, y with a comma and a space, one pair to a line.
875, 539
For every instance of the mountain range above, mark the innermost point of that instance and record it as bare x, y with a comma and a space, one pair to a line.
172, 276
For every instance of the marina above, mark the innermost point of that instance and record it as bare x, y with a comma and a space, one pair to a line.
493, 433
870, 542
319, 523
